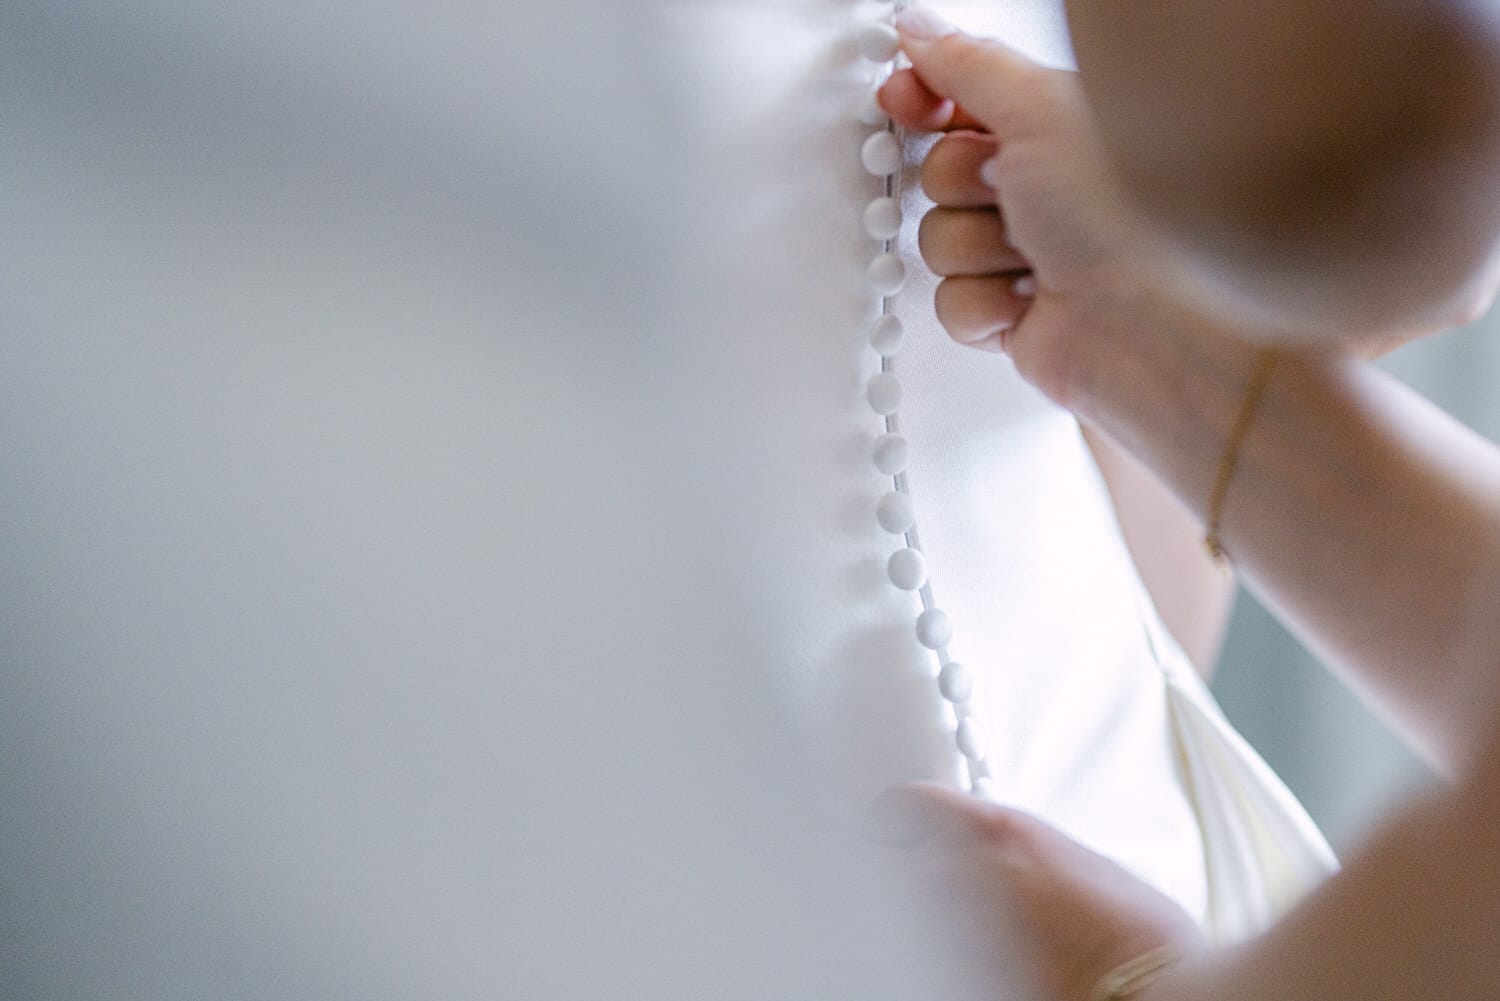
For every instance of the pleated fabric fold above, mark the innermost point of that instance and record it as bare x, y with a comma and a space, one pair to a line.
1262, 851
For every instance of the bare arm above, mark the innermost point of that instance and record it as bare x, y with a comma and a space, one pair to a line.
1411, 916
1363, 514
1336, 161
1367, 517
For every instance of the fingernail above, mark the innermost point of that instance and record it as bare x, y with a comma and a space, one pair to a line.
923, 24
989, 172
1024, 286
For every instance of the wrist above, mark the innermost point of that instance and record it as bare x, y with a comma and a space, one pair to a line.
1166, 383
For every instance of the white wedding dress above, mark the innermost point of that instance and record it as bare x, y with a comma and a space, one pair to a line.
437, 516
1097, 721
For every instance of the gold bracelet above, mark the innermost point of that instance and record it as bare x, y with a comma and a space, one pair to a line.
1130, 978
1253, 392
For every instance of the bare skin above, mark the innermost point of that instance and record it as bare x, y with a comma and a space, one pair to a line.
1193, 596
1334, 162
1368, 518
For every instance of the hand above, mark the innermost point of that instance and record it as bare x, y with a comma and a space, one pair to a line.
1016, 885
1041, 250
1043, 253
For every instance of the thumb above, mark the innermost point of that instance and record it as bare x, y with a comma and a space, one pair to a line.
983, 76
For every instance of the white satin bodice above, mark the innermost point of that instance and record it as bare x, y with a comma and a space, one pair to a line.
437, 519
1092, 711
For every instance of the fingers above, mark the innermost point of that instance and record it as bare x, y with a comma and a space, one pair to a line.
907, 100
983, 76
964, 239
981, 311
959, 82
951, 172
966, 243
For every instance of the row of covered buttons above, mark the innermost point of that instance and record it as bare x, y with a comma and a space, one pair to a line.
882, 155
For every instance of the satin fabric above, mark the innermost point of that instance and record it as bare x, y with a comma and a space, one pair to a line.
1096, 721
438, 523
369, 625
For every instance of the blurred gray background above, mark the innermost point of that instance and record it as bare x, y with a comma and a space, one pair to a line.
1346, 765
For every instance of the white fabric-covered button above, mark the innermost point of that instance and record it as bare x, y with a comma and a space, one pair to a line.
881, 154
884, 394
934, 630
887, 274
886, 334
879, 43
895, 512
955, 682
971, 738
907, 569
883, 219
891, 454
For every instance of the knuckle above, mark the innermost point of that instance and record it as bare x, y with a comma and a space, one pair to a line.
924, 233
947, 307
942, 300
975, 227
951, 297
930, 236
937, 169
950, 171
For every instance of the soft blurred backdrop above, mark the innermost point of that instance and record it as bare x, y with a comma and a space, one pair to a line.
1344, 763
